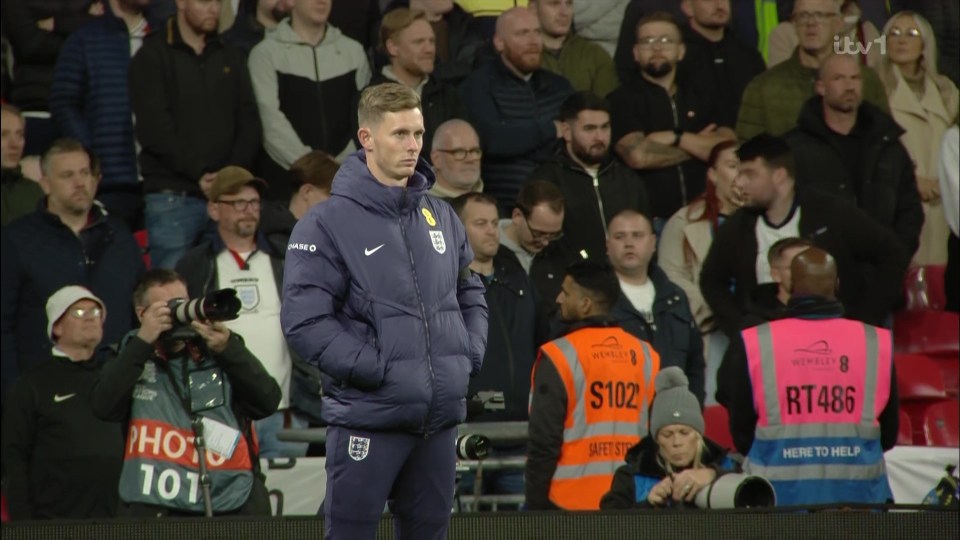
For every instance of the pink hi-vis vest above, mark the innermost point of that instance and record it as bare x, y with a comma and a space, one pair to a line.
819, 387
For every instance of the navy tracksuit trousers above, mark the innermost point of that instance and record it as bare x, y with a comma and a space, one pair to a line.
365, 469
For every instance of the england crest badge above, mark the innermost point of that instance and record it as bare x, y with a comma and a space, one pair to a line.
438, 244
359, 448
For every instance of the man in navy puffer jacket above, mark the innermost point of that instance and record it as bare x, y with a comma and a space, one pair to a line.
377, 292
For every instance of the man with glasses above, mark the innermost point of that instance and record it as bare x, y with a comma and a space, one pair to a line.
663, 125
456, 157
530, 233
239, 257
772, 101
59, 460
169, 391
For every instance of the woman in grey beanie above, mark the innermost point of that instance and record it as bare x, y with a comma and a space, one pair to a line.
669, 467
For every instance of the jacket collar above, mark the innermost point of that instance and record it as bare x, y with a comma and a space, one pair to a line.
217, 245
354, 181
903, 99
566, 160
96, 216
814, 307
604, 321
873, 122
284, 33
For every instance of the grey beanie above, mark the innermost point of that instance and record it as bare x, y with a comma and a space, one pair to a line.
674, 403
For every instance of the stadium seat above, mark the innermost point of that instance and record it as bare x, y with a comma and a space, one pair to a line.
926, 332
142, 241
924, 288
950, 368
919, 378
905, 434
941, 424
718, 425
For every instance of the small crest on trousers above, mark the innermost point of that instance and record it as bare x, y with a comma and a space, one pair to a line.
438, 244
359, 448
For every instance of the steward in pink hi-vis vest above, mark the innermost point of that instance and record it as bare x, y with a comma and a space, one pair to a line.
819, 387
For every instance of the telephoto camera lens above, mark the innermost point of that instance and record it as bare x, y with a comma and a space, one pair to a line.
222, 305
473, 446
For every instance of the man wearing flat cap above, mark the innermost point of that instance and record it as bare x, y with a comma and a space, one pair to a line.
60, 461
239, 257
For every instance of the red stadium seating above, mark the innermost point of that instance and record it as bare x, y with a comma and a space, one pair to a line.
718, 425
927, 332
142, 241
941, 424
924, 288
919, 384
905, 434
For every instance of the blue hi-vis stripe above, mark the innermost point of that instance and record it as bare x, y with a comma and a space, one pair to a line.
816, 451
806, 492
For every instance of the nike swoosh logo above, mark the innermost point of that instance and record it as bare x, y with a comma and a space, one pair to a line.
369, 252
57, 398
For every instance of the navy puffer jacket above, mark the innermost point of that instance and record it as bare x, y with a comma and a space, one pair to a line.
378, 295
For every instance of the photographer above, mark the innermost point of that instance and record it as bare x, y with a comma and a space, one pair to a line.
159, 385
669, 468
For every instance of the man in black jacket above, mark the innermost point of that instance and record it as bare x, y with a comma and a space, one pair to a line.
239, 257
172, 388
68, 240
408, 39
871, 261
595, 185
196, 114
254, 18
651, 307
852, 150
59, 460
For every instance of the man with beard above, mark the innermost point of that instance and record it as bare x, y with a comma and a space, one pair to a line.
408, 39
715, 58
513, 104
195, 114
663, 125
68, 240
870, 260
595, 185
773, 100
651, 307
90, 100
852, 150
592, 388
584, 63
239, 257
255, 17
456, 156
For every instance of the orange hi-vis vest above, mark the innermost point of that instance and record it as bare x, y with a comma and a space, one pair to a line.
608, 375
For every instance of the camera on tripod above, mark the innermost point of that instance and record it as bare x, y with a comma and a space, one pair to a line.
221, 305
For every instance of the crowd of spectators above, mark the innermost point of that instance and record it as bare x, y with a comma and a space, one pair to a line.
695, 146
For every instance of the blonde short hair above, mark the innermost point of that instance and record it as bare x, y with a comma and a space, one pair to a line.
378, 100
397, 21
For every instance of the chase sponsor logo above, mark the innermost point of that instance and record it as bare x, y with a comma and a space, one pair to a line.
302, 247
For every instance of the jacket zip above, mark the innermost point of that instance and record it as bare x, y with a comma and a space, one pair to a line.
596, 189
423, 315
316, 74
683, 181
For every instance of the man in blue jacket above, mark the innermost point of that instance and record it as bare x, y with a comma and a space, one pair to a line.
378, 293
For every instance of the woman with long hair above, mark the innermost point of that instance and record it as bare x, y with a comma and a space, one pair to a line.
686, 239
925, 104
670, 466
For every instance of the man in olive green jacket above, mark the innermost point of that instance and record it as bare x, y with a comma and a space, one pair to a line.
18, 194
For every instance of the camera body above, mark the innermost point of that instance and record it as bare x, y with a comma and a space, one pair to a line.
220, 305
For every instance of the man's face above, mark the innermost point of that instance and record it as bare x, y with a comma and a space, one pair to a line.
314, 12
237, 214
816, 22
202, 16
480, 221
394, 144
538, 229
414, 48
780, 268
556, 16
755, 184
69, 183
654, 57
572, 302
277, 9
520, 42
588, 136
74, 329
630, 243
841, 85
11, 139
713, 14
463, 173
162, 293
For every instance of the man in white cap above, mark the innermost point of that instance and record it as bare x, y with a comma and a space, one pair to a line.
60, 461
